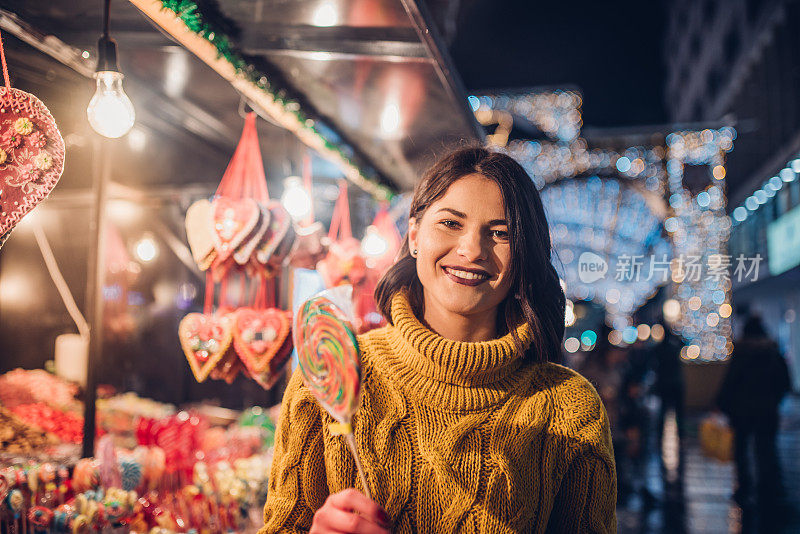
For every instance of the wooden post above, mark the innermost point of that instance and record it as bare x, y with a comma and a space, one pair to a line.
103, 149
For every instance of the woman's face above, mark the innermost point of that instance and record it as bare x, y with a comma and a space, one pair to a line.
463, 252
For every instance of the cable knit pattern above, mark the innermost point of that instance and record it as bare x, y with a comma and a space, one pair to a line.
454, 437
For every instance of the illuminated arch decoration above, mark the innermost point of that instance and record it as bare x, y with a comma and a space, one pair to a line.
605, 216
649, 185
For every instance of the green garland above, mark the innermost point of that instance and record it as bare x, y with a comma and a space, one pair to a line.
189, 12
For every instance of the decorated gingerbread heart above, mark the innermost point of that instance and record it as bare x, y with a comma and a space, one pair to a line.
228, 367
272, 372
278, 227
200, 233
31, 155
246, 249
204, 339
233, 220
258, 335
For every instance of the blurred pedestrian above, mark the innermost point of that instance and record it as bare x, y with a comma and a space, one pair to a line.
669, 385
605, 368
634, 423
756, 382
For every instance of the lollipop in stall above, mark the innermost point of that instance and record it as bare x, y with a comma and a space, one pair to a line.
329, 360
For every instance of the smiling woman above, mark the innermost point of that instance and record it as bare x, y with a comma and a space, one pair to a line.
484, 209
464, 425
463, 259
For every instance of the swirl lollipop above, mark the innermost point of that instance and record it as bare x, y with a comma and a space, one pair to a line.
328, 356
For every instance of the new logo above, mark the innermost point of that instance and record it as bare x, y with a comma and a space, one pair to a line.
591, 267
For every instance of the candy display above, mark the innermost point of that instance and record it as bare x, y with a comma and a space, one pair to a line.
17, 437
67, 426
22, 386
185, 476
119, 414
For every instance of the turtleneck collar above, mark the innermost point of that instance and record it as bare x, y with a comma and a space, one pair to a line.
458, 375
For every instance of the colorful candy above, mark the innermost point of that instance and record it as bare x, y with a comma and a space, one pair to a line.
86, 475
41, 518
22, 386
109, 468
131, 471
66, 425
15, 501
4, 486
328, 356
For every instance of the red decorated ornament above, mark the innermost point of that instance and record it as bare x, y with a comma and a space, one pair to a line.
31, 155
258, 336
204, 339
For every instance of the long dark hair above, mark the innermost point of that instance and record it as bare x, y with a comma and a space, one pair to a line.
535, 295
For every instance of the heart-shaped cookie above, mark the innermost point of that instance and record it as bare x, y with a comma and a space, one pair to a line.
228, 367
31, 155
246, 249
279, 225
272, 373
274, 264
233, 220
200, 233
204, 339
258, 335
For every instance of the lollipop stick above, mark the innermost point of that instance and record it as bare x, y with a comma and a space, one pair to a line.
351, 442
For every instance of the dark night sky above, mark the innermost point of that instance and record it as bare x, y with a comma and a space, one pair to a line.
612, 51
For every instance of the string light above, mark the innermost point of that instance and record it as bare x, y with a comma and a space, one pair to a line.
697, 224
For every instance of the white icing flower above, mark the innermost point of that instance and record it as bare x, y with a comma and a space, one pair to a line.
43, 161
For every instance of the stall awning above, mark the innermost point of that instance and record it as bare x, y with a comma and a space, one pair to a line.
372, 78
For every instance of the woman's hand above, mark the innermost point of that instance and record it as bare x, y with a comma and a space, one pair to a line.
350, 511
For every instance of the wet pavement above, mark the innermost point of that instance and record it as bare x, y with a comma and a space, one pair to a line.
700, 501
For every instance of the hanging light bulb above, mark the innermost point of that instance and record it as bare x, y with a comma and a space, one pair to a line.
110, 111
295, 199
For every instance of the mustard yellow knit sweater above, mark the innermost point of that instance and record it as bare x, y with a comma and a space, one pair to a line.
454, 437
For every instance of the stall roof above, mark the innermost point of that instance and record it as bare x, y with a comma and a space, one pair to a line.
373, 74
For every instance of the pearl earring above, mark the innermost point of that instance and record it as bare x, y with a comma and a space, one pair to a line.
414, 252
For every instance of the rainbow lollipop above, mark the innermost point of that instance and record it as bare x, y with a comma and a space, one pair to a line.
328, 355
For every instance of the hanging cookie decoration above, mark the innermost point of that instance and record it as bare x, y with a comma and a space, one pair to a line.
31, 153
240, 237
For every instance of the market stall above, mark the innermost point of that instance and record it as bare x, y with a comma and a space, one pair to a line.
266, 154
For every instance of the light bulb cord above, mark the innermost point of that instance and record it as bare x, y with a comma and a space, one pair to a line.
106, 17
5, 67
106, 47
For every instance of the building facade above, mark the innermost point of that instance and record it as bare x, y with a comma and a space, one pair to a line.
737, 62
